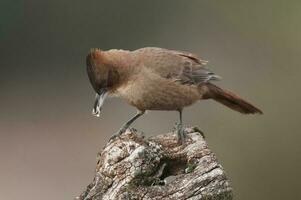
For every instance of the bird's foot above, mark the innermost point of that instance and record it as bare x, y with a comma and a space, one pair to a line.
117, 134
181, 133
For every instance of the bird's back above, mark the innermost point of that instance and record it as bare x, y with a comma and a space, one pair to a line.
180, 66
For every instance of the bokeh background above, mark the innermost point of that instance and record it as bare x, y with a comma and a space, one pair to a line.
48, 137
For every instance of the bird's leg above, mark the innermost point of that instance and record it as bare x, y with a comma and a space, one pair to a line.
127, 124
180, 130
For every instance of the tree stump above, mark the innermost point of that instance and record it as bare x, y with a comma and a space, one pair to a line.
132, 167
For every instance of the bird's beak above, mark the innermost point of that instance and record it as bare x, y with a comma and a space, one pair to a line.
99, 100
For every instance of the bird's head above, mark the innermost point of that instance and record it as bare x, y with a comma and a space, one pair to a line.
102, 76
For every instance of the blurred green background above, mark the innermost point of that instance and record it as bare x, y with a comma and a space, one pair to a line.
49, 139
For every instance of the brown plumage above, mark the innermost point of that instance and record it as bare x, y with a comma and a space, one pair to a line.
157, 79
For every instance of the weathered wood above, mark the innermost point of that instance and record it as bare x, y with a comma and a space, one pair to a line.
131, 167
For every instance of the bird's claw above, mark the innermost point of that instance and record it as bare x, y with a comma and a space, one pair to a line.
113, 137
117, 134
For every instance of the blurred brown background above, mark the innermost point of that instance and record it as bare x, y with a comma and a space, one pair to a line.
49, 139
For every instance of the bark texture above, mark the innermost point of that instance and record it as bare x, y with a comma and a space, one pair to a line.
132, 167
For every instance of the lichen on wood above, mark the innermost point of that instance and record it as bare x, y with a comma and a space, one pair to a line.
132, 167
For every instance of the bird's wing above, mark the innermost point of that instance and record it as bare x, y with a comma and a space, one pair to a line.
194, 70
179, 66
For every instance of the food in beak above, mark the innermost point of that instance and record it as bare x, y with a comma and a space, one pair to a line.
99, 100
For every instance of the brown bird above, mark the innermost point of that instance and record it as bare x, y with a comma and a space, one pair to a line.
157, 79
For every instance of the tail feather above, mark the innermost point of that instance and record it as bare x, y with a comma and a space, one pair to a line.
230, 100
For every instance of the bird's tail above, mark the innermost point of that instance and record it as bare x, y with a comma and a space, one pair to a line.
229, 99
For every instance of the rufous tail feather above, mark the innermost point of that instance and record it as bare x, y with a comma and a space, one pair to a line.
230, 99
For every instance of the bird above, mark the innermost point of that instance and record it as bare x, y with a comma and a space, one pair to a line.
153, 78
